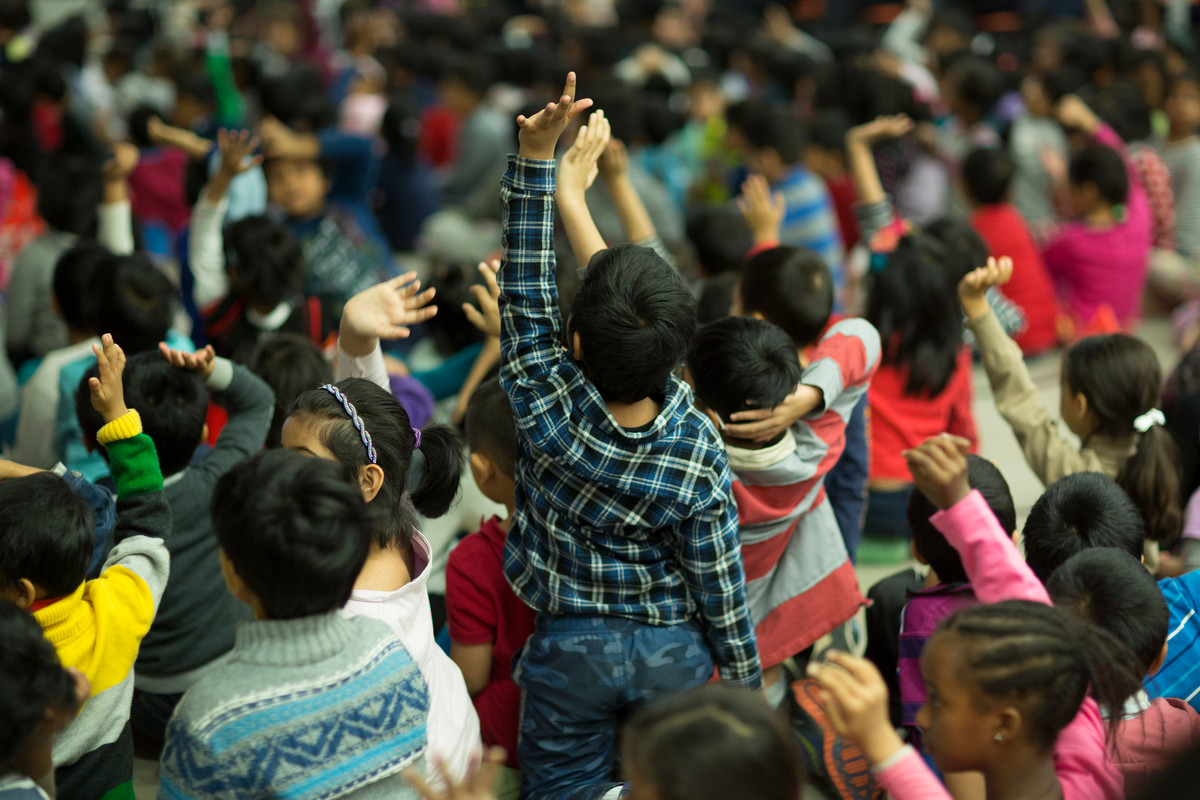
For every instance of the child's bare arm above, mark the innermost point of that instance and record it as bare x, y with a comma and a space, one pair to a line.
475, 661
163, 135
635, 220
862, 161
576, 174
237, 148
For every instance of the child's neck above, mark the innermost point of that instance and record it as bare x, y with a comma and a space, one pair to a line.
1102, 216
385, 570
1024, 776
1179, 134
634, 415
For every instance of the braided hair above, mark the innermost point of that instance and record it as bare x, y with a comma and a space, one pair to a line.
1034, 654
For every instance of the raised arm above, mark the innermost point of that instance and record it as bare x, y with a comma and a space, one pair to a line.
206, 243
635, 219
193, 145
763, 211
576, 174
114, 216
385, 311
859, 142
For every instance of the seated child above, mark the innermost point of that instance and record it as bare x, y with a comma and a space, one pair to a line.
194, 626
1181, 152
800, 583
1111, 589
291, 365
38, 698
248, 279
1111, 393
624, 538
46, 535
488, 623
293, 539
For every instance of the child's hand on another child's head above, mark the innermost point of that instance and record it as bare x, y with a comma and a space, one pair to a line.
856, 700
881, 128
768, 424
1074, 113
972, 289
201, 361
939, 469
108, 393
581, 163
385, 311
475, 786
123, 162
762, 209
487, 317
237, 148
539, 133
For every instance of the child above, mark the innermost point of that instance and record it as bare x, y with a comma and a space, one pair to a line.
194, 626
291, 365
1101, 258
624, 538
488, 623
47, 535
1031, 135
825, 155
1008, 682
256, 291
38, 698
1111, 389
1111, 589
1181, 152
360, 424
799, 579
987, 174
484, 139
309, 703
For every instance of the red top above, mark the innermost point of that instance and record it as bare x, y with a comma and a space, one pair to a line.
897, 422
845, 198
482, 609
1031, 290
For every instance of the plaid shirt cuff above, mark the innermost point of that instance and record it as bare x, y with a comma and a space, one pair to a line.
530, 175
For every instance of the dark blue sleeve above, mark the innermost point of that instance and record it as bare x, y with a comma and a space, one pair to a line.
354, 165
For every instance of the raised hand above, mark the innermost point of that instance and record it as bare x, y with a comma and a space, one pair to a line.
108, 394
236, 149
762, 209
580, 165
881, 128
385, 311
122, 163
487, 317
614, 162
856, 699
1074, 113
539, 133
201, 361
972, 289
939, 469
475, 786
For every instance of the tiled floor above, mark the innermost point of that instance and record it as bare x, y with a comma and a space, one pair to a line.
997, 444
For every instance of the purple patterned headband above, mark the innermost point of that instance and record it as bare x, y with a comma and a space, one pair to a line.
352, 412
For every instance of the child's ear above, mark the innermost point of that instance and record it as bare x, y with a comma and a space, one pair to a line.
576, 347
203, 435
22, 594
1158, 662
482, 468
1008, 726
371, 481
715, 417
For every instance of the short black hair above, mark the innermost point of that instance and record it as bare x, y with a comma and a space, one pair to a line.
738, 361
290, 364
74, 285
196, 85
635, 316
1101, 166
266, 258
137, 302
32, 679
790, 287
298, 99
1078, 512
965, 248
295, 529
980, 83
474, 71
828, 129
774, 128
720, 237
1112, 589
716, 298
490, 426
173, 404
988, 171
68, 192
983, 476
47, 533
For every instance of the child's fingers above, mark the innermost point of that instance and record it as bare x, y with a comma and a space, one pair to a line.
418, 783
493, 287
421, 300
400, 282
860, 669
439, 764
473, 316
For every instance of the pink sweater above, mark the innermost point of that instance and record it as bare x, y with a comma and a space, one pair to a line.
1093, 267
997, 573
1151, 741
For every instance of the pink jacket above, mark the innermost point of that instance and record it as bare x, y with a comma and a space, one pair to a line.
997, 573
1150, 742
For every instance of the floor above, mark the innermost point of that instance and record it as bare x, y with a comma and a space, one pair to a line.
996, 444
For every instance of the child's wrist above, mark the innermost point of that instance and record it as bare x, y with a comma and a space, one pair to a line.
536, 153
880, 745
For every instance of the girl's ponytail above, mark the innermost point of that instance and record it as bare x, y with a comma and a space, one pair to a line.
1151, 479
443, 453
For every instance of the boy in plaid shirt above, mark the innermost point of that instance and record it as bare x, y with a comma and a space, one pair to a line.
625, 534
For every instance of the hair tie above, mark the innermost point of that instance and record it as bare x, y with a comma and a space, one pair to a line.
1119, 212
1148, 420
352, 412
416, 438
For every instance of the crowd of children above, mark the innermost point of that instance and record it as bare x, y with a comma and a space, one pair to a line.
736, 282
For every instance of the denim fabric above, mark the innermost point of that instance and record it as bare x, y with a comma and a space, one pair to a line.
887, 515
846, 483
580, 675
104, 507
150, 713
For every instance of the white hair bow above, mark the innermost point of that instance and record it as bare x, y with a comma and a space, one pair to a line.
1148, 420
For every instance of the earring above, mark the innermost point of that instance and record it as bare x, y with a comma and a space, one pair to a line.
999, 737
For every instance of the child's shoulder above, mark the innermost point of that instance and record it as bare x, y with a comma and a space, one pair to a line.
480, 552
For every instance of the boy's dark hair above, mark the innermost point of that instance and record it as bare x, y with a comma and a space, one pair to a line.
393, 521
777, 129
1065, 80
714, 741
14, 16
738, 361
137, 302
295, 529
790, 287
196, 85
988, 172
828, 129
290, 364
490, 426
46, 534
266, 258
1122, 379
965, 248
1101, 166
1112, 589
173, 404
980, 83
1123, 107
32, 679
635, 316
721, 239
68, 192
716, 298
298, 99
984, 477
401, 126
1079, 512
473, 71
74, 285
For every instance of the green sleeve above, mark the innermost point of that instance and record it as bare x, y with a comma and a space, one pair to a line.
135, 467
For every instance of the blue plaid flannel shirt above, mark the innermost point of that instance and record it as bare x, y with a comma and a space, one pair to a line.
636, 524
